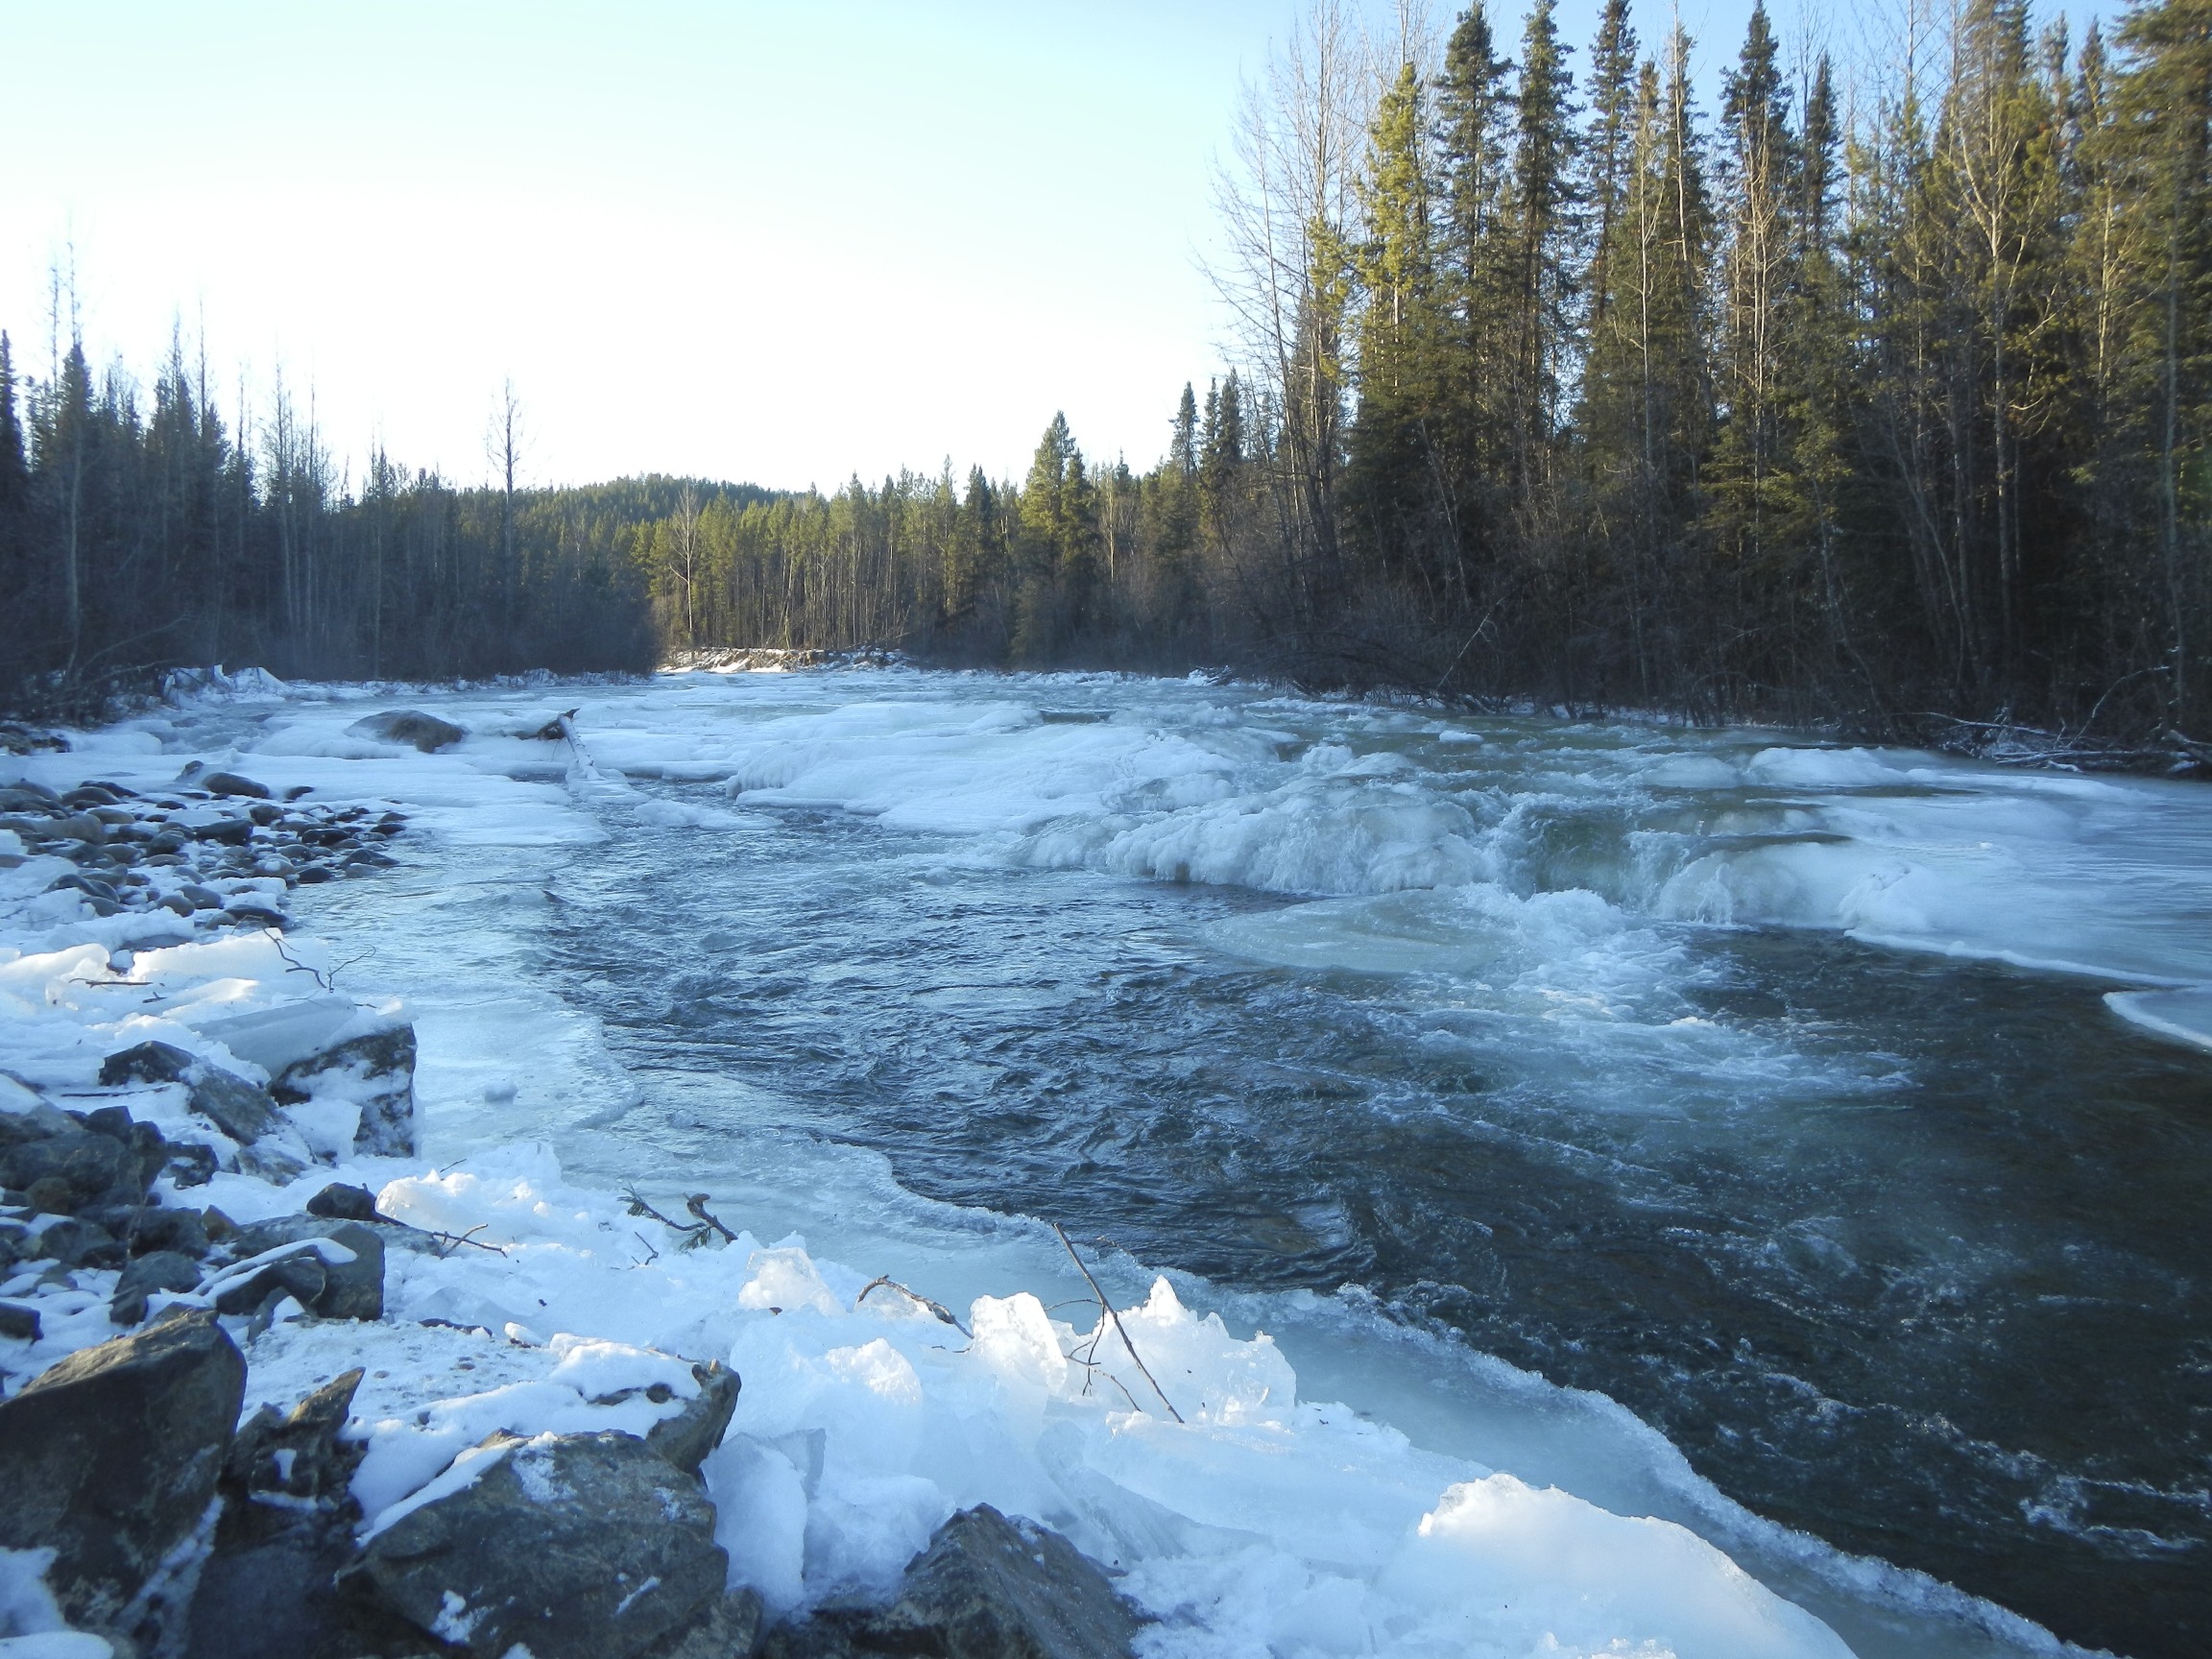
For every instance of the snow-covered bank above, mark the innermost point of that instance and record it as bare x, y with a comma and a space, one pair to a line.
1260, 1524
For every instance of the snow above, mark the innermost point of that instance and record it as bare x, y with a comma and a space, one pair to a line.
1271, 1520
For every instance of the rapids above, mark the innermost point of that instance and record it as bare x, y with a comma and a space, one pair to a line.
1845, 1115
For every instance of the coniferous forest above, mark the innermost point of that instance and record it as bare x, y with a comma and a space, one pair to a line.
1879, 393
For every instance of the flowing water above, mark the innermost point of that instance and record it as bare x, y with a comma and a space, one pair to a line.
1844, 1115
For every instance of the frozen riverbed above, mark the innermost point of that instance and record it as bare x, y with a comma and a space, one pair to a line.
1835, 1113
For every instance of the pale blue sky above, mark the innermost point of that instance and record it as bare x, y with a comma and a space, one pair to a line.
771, 242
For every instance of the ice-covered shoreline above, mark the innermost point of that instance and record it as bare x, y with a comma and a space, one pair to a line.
1261, 1524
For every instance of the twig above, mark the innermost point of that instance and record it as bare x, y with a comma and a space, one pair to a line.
690, 1235
454, 1240
327, 978
1119, 1330
884, 1282
697, 1205
651, 1255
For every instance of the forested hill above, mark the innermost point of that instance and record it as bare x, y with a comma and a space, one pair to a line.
1888, 409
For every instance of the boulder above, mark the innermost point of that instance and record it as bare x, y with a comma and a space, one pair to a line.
687, 1438
985, 1588
340, 1202
346, 1283
161, 1227
20, 1321
425, 732
156, 1270
299, 1453
727, 1627
376, 1072
241, 1110
72, 1241
277, 1598
269, 1591
70, 1168
575, 1546
230, 783
110, 1458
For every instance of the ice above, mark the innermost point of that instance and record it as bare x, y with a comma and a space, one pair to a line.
2183, 1016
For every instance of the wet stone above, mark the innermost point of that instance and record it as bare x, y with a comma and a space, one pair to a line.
110, 1458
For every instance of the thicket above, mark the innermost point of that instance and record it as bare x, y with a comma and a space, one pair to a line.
1891, 406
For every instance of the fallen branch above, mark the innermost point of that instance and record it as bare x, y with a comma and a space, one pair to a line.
454, 1240
697, 1205
884, 1282
1107, 1307
327, 978
691, 1235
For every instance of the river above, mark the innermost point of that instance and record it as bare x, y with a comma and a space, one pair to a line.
1844, 1115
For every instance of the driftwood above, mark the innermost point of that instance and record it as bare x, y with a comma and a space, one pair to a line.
1105, 1313
884, 1282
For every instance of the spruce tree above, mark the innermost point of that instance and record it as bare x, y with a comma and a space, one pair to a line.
1539, 222
14, 469
1606, 152
1474, 271
1398, 457
1753, 501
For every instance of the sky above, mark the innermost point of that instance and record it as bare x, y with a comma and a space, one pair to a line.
780, 243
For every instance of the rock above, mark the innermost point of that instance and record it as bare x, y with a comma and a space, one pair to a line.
110, 1458
578, 1546
341, 1202
269, 1591
161, 1227
224, 831
241, 1110
156, 1270
147, 1063
426, 732
986, 1588
298, 1454
230, 783
66, 1171
34, 1120
277, 1598
328, 1288
687, 1438
377, 1071
553, 731
75, 1242
193, 1163
50, 1195
727, 1627
19, 1322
